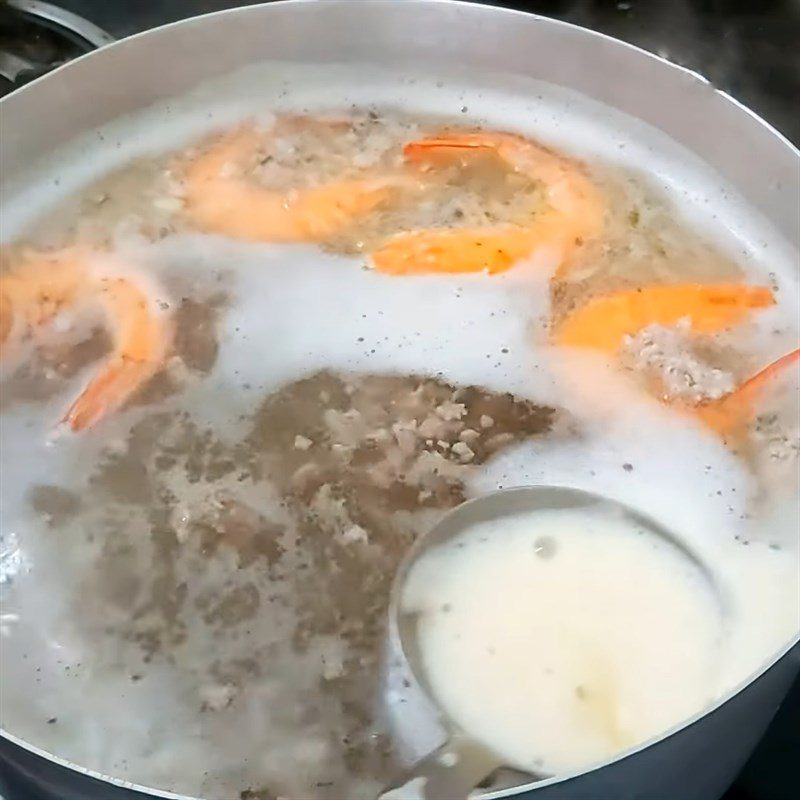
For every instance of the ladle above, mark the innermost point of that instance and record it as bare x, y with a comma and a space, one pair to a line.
453, 771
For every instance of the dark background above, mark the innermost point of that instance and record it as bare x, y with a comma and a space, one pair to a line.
748, 48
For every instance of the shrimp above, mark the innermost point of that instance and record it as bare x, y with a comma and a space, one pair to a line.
730, 415
574, 212
220, 200
602, 323
44, 285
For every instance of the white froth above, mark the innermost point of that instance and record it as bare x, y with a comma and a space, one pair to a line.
302, 310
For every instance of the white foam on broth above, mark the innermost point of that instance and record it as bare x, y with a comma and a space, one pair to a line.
276, 331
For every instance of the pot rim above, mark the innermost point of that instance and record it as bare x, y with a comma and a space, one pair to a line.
476, 6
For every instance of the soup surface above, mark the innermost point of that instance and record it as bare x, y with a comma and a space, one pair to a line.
256, 340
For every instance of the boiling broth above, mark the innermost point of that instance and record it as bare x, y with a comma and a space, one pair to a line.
217, 555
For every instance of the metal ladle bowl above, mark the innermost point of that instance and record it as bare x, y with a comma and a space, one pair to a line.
452, 771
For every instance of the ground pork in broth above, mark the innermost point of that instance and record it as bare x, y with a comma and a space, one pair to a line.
273, 557
247, 567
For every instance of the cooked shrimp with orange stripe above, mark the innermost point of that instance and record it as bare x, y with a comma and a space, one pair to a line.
568, 213
41, 288
653, 328
454, 203
240, 184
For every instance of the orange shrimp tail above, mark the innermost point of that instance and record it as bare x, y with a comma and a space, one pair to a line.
732, 413
142, 338
44, 284
603, 322
755, 384
106, 393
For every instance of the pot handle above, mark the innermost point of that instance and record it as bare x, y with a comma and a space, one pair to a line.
450, 772
64, 19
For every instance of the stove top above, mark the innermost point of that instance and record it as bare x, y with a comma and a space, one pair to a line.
36, 37
747, 49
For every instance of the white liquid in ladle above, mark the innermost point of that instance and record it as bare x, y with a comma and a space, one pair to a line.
561, 637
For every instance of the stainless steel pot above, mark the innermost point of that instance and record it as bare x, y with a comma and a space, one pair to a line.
701, 759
